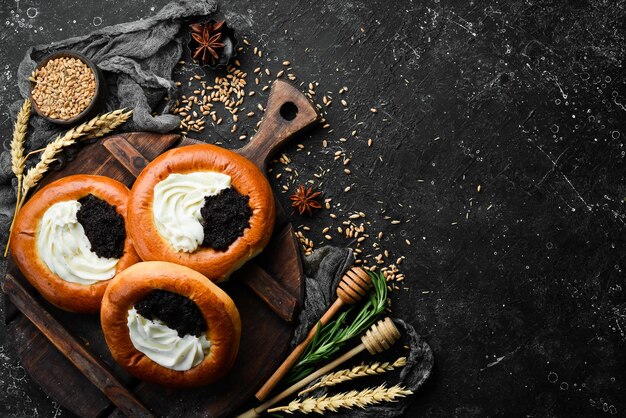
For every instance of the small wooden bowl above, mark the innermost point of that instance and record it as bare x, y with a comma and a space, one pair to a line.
97, 100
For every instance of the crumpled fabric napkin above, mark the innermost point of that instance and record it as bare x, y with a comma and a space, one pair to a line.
136, 58
323, 270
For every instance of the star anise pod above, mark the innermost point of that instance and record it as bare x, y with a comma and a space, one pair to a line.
305, 200
209, 37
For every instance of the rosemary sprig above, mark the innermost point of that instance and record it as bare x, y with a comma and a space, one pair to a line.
334, 335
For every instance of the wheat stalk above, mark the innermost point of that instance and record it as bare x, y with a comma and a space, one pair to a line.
96, 127
115, 119
362, 370
352, 399
18, 160
109, 121
19, 136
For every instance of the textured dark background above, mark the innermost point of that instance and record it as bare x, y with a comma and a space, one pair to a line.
518, 287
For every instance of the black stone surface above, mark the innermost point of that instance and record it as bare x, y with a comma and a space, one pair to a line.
499, 144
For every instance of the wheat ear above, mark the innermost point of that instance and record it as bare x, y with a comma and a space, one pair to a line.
19, 137
352, 399
96, 127
18, 160
110, 121
362, 370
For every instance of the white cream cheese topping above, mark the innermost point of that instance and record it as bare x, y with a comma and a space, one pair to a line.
177, 203
162, 344
65, 249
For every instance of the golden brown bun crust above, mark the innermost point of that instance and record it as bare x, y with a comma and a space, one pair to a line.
246, 178
217, 307
68, 296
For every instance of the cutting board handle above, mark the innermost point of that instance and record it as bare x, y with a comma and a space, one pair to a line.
288, 112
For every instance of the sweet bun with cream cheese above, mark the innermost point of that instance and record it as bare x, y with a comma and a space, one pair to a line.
203, 207
170, 325
70, 239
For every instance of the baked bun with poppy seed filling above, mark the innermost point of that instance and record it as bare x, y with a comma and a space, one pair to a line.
170, 325
203, 207
70, 239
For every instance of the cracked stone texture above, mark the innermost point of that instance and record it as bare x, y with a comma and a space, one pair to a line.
499, 144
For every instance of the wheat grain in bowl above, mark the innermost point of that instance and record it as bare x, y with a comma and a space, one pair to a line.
63, 87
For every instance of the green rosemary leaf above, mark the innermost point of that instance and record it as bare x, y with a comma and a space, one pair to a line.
330, 338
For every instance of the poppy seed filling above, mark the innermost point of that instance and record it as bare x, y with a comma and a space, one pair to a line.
174, 310
224, 218
103, 226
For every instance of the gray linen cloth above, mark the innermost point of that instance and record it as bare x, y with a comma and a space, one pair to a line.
137, 59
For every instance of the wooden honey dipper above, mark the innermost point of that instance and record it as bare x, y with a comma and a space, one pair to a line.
378, 338
354, 284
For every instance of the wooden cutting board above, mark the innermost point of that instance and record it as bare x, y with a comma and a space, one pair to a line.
66, 353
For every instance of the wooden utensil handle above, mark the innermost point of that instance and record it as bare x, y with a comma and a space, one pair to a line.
288, 111
93, 369
275, 378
